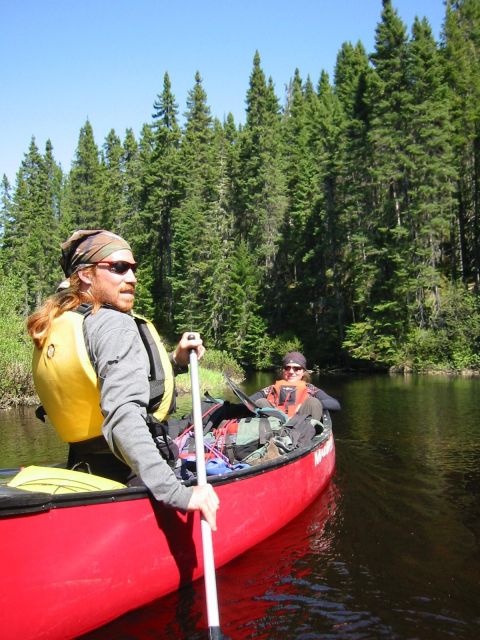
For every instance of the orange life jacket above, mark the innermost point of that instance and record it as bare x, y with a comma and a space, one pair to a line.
288, 396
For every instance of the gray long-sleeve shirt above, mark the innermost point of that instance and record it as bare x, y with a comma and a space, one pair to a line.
121, 363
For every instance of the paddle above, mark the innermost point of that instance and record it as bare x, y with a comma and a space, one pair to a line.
208, 560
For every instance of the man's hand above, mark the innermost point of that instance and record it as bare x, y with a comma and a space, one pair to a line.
182, 352
205, 499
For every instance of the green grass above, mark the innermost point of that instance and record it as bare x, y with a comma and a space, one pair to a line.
211, 381
211, 369
16, 384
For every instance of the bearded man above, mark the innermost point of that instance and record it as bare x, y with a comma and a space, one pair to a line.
103, 375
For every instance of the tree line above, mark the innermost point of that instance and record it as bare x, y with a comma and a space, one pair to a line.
343, 221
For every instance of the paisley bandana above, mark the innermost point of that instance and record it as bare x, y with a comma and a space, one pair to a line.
85, 248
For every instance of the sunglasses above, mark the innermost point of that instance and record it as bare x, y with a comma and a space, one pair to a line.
290, 367
121, 267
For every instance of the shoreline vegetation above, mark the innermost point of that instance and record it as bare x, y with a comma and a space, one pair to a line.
17, 389
16, 382
16, 385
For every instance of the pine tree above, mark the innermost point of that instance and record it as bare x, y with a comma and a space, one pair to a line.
389, 99
112, 188
246, 330
132, 186
160, 196
323, 282
303, 192
219, 233
260, 183
353, 78
31, 238
461, 50
430, 177
191, 250
84, 186
6, 203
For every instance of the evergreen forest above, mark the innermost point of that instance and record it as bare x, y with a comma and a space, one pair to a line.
342, 218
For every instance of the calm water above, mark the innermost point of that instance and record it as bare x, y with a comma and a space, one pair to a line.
391, 550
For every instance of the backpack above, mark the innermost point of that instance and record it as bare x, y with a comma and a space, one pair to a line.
255, 431
305, 427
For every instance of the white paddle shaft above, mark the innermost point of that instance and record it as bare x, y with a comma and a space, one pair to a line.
207, 544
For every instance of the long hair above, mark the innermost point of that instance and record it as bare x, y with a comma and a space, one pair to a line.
40, 321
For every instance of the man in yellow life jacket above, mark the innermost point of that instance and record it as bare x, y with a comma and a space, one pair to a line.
292, 394
103, 374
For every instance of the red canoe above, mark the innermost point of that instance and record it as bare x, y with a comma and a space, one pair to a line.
74, 562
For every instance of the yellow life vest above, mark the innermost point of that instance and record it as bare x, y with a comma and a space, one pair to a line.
67, 383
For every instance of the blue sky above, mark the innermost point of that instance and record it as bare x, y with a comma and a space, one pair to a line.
64, 61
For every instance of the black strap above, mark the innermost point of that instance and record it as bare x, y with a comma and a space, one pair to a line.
40, 413
84, 309
264, 431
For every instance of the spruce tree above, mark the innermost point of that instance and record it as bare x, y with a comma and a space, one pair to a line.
31, 238
461, 40
84, 185
389, 99
325, 241
353, 77
132, 172
55, 235
246, 330
160, 195
300, 172
219, 234
260, 183
112, 188
6, 203
430, 177
303, 192
191, 247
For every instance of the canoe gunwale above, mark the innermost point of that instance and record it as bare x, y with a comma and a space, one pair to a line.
16, 502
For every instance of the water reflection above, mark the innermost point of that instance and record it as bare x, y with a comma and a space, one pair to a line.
26, 440
256, 591
400, 467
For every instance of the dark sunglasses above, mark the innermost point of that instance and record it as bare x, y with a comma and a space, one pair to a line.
121, 267
289, 367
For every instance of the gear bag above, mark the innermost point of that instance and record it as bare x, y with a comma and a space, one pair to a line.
255, 432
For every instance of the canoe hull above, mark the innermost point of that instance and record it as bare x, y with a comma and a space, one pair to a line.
75, 567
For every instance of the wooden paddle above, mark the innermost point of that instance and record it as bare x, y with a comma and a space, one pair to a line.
208, 559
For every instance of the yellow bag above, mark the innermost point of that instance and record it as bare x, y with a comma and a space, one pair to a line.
57, 480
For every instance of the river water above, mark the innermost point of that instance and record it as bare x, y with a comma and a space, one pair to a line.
390, 550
